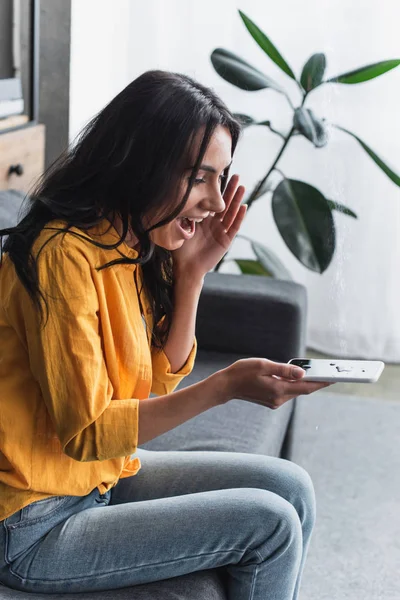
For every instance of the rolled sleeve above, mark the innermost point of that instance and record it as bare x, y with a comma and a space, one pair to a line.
164, 380
113, 434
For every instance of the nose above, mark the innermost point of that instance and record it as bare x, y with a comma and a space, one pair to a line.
214, 203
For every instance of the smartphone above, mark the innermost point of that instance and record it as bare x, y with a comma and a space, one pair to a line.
340, 370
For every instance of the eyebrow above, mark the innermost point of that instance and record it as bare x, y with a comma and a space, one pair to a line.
211, 169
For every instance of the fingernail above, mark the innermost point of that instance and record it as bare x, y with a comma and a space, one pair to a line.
297, 372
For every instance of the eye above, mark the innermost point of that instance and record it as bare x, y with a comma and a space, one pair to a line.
198, 181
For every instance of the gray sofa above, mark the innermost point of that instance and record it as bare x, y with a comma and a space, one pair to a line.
348, 445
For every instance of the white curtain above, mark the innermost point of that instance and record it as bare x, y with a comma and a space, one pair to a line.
353, 306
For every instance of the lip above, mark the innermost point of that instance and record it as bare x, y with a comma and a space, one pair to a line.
195, 217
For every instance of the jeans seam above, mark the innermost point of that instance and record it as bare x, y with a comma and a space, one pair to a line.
258, 554
253, 582
5, 543
130, 568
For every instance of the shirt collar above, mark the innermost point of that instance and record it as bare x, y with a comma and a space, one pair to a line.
106, 233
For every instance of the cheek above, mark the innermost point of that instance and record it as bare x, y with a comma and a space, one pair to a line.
167, 236
162, 233
195, 197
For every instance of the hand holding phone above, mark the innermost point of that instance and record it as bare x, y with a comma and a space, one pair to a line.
340, 370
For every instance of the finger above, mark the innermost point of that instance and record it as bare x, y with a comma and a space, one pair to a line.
231, 186
229, 194
231, 213
236, 225
283, 369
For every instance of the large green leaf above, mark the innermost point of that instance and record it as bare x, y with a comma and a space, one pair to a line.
310, 126
270, 261
266, 44
313, 72
341, 208
385, 168
305, 222
239, 73
365, 73
251, 267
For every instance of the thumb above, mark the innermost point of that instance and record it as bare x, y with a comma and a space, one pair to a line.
285, 370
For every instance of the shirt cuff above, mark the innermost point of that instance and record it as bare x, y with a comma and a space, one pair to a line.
114, 434
164, 380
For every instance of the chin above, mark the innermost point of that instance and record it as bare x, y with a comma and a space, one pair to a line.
170, 245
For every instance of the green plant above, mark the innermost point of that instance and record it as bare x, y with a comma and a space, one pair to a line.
303, 216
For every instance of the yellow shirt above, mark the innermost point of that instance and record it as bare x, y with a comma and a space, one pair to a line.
69, 393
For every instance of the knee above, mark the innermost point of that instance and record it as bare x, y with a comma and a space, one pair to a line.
300, 492
264, 510
279, 526
289, 521
290, 481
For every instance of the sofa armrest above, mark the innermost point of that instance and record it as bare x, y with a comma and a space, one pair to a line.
253, 316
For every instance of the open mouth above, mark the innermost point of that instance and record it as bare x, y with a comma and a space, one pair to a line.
188, 226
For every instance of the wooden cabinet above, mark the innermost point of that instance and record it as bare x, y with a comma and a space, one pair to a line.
21, 157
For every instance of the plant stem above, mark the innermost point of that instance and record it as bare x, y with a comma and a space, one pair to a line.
289, 100
261, 183
280, 172
276, 131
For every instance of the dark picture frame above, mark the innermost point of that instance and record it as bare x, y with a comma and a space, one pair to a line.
45, 70
34, 60
29, 22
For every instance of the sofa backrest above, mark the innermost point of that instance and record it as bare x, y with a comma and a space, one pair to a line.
253, 315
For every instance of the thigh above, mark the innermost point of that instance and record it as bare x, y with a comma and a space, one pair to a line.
114, 546
174, 473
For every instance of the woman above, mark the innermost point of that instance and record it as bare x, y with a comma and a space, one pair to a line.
99, 286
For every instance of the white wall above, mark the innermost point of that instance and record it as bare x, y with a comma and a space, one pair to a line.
353, 306
100, 56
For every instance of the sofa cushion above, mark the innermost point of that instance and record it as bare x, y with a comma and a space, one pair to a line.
350, 447
237, 426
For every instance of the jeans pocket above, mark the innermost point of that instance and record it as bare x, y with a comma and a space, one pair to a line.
41, 509
36, 511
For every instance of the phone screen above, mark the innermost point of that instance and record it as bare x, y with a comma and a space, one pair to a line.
303, 363
318, 369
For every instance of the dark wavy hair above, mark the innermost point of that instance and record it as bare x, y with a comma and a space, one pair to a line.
127, 160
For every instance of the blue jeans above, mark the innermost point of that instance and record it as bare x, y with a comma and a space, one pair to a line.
183, 512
